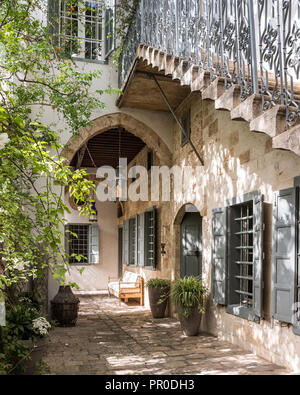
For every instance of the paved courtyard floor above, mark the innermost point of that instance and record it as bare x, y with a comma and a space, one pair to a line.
118, 339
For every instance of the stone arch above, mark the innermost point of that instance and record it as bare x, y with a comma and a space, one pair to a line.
181, 211
114, 120
176, 235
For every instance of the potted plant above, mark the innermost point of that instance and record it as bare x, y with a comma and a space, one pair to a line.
188, 295
159, 291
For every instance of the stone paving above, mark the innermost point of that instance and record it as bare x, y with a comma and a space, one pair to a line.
113, 339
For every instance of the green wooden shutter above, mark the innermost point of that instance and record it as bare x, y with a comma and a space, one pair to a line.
258, 255
109, 30
219, 255
284, 255
150, 238
126, 242
93, 245
141, 239
132, 241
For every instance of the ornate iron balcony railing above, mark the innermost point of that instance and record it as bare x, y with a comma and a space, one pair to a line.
252, 43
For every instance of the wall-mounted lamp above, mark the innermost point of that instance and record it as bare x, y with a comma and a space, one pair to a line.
163, 251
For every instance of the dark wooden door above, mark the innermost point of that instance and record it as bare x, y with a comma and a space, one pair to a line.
191, 245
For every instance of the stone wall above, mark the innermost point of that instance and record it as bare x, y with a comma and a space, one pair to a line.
236, 161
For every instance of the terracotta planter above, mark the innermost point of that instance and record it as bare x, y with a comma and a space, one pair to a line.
190, 325
65, 306
155, 294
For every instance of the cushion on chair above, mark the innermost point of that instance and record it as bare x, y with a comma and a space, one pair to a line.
131, 286
129, 277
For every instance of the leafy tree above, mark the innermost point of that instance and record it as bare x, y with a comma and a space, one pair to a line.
35, 73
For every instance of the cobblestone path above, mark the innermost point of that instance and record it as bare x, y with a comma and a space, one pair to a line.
116, 339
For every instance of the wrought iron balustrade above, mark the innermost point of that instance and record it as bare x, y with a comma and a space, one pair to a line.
252, 43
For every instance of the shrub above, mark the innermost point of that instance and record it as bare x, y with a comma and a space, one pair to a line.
23, 322
158, 283
187, 293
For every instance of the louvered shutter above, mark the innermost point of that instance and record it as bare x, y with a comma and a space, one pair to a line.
150, 238
132, 241
93, 245
219, 256
126, 243
284, 255
258, 255
141, 239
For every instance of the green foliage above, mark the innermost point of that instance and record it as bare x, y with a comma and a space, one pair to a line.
164, 285
21, 312
158, 283
125, 14
12, 352
36, 75
188, 293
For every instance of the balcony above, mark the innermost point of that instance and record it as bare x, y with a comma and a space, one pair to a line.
250, 46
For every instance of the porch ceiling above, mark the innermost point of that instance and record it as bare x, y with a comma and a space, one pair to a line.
104, 149
141, 90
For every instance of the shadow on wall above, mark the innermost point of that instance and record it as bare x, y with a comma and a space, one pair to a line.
238, 161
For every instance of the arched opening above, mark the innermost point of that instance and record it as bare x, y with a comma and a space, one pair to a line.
188, 242
114, 121
102, 144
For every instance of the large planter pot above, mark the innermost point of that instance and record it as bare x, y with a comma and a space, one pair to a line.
65, 307
155, 295
190, 325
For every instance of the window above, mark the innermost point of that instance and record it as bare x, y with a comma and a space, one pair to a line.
150, 238
132, 241
82, 239
84, 29
286, 257
186, 124
237, 231
139, 240
242, 250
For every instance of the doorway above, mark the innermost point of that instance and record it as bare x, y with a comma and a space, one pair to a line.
191, 245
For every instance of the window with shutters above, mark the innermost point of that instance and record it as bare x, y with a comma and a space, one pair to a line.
139, 240
82, 240
237, 253
150, 239
241, 254
83, 29
132, 241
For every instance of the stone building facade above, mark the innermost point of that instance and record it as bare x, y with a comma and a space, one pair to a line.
236, 162
248, 159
